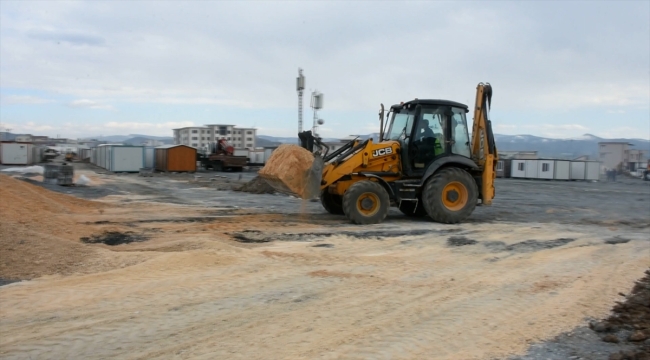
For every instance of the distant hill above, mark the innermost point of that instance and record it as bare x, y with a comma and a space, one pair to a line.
561, 148
284, 140
263, 142
130, 138
545, 147
138, 140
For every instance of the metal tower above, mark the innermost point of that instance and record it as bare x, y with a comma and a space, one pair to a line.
300, 86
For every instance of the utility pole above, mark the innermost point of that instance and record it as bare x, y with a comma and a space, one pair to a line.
300, 86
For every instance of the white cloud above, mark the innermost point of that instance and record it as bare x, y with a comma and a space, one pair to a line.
24, 100
90, 104
133, 126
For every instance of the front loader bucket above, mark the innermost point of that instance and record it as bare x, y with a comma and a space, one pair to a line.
295, 171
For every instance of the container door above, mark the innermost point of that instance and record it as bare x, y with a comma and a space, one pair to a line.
531, 169
577, 170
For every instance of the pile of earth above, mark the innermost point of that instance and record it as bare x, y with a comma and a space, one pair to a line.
40, 231
629, 323
257, 186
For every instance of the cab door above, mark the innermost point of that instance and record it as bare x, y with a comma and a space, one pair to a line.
428, 138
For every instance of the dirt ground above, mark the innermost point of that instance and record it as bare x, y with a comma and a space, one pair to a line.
200, 273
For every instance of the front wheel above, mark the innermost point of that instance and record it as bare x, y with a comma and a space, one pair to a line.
332, 203
366, 202
450, 195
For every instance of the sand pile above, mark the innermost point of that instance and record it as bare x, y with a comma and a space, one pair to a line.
39, 230
289, 169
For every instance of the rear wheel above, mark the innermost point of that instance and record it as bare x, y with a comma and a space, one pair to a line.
217, 166
332, 203
450, 195
413, 208
366, 202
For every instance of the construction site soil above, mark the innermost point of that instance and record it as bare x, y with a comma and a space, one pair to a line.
180, 266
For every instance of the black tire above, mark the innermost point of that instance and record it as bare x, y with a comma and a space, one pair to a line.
439, 200
366, 202
217, 166
331, 202
413, 209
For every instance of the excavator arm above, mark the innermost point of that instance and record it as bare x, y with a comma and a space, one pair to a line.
484, 151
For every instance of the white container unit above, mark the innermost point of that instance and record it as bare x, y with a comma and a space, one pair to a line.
518, 169
562, 170
256, 157
267, 153
17, 153
592, 171
531, 169
577, 170
149, 157
545, 169
121, 158
240, 152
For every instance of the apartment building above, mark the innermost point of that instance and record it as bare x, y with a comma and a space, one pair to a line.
618, 155
201, 136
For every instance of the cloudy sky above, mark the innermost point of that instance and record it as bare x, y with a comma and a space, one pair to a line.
558, 68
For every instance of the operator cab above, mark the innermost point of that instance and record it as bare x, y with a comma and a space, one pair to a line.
428, 130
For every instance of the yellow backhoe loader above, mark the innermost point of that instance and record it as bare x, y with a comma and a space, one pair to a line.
424, 163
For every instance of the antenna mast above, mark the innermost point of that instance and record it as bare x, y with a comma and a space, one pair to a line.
300, 86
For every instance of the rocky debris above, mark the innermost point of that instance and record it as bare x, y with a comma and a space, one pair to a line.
637, 336
257, 186
633, 316
599, 326
610, 338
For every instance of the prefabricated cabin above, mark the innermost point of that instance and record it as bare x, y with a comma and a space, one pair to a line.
545, 169
16, 153
120, 158
577, 170
175, 158
518, 168
504, 168
562, 170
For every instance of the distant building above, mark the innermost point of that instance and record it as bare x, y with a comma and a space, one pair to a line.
23, 138
635, 158
618, 155
40, 139
201, 136
519, 155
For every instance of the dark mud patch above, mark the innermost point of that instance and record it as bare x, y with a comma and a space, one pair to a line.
196, 219
256, 236
527, 246
113, 238
250, 236
4, 282
256, 186
616, 240
323, 245
460, 241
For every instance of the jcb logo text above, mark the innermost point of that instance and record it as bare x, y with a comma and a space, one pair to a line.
382, 152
